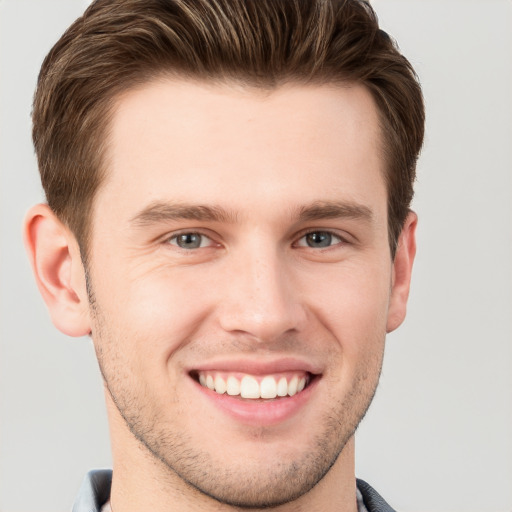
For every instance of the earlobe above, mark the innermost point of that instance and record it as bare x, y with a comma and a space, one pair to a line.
57, 265
402, 269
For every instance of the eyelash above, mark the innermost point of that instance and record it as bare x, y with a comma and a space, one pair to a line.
332, 234
176, 236
302, 236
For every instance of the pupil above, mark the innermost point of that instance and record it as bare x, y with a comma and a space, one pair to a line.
189, 241
319, 239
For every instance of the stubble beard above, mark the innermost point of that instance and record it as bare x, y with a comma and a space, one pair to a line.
239, 484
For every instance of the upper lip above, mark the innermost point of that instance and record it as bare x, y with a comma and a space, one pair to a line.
254, 366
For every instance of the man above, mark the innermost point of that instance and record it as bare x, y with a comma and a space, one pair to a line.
228, 188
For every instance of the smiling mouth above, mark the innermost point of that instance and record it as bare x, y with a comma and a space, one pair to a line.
254, 387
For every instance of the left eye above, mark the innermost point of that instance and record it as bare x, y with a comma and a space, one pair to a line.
190, 240
319, 240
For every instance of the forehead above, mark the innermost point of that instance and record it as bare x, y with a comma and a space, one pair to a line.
187, 141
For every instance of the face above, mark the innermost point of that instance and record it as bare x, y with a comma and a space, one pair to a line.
240, 280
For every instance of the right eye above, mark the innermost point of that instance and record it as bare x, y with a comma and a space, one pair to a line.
190, 240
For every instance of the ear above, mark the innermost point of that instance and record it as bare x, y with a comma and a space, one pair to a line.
55, 258
402, 269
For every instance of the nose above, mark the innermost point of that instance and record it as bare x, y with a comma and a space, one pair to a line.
260, 298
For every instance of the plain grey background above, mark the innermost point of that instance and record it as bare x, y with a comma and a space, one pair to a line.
438, 437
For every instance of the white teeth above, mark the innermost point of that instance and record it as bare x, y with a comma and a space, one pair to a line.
233, 387
292, 386
249, 387
268, 387
220, 385
282, 387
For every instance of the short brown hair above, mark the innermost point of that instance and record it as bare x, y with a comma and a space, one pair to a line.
118, 44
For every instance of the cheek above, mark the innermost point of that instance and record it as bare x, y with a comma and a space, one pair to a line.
352, 301
143, 319
352, 307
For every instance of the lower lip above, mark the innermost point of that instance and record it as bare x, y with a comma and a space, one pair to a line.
260, 412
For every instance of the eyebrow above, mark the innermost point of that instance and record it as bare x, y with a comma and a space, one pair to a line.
335, 210
164, 212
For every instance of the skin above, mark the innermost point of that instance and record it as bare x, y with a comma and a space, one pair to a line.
256, 291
